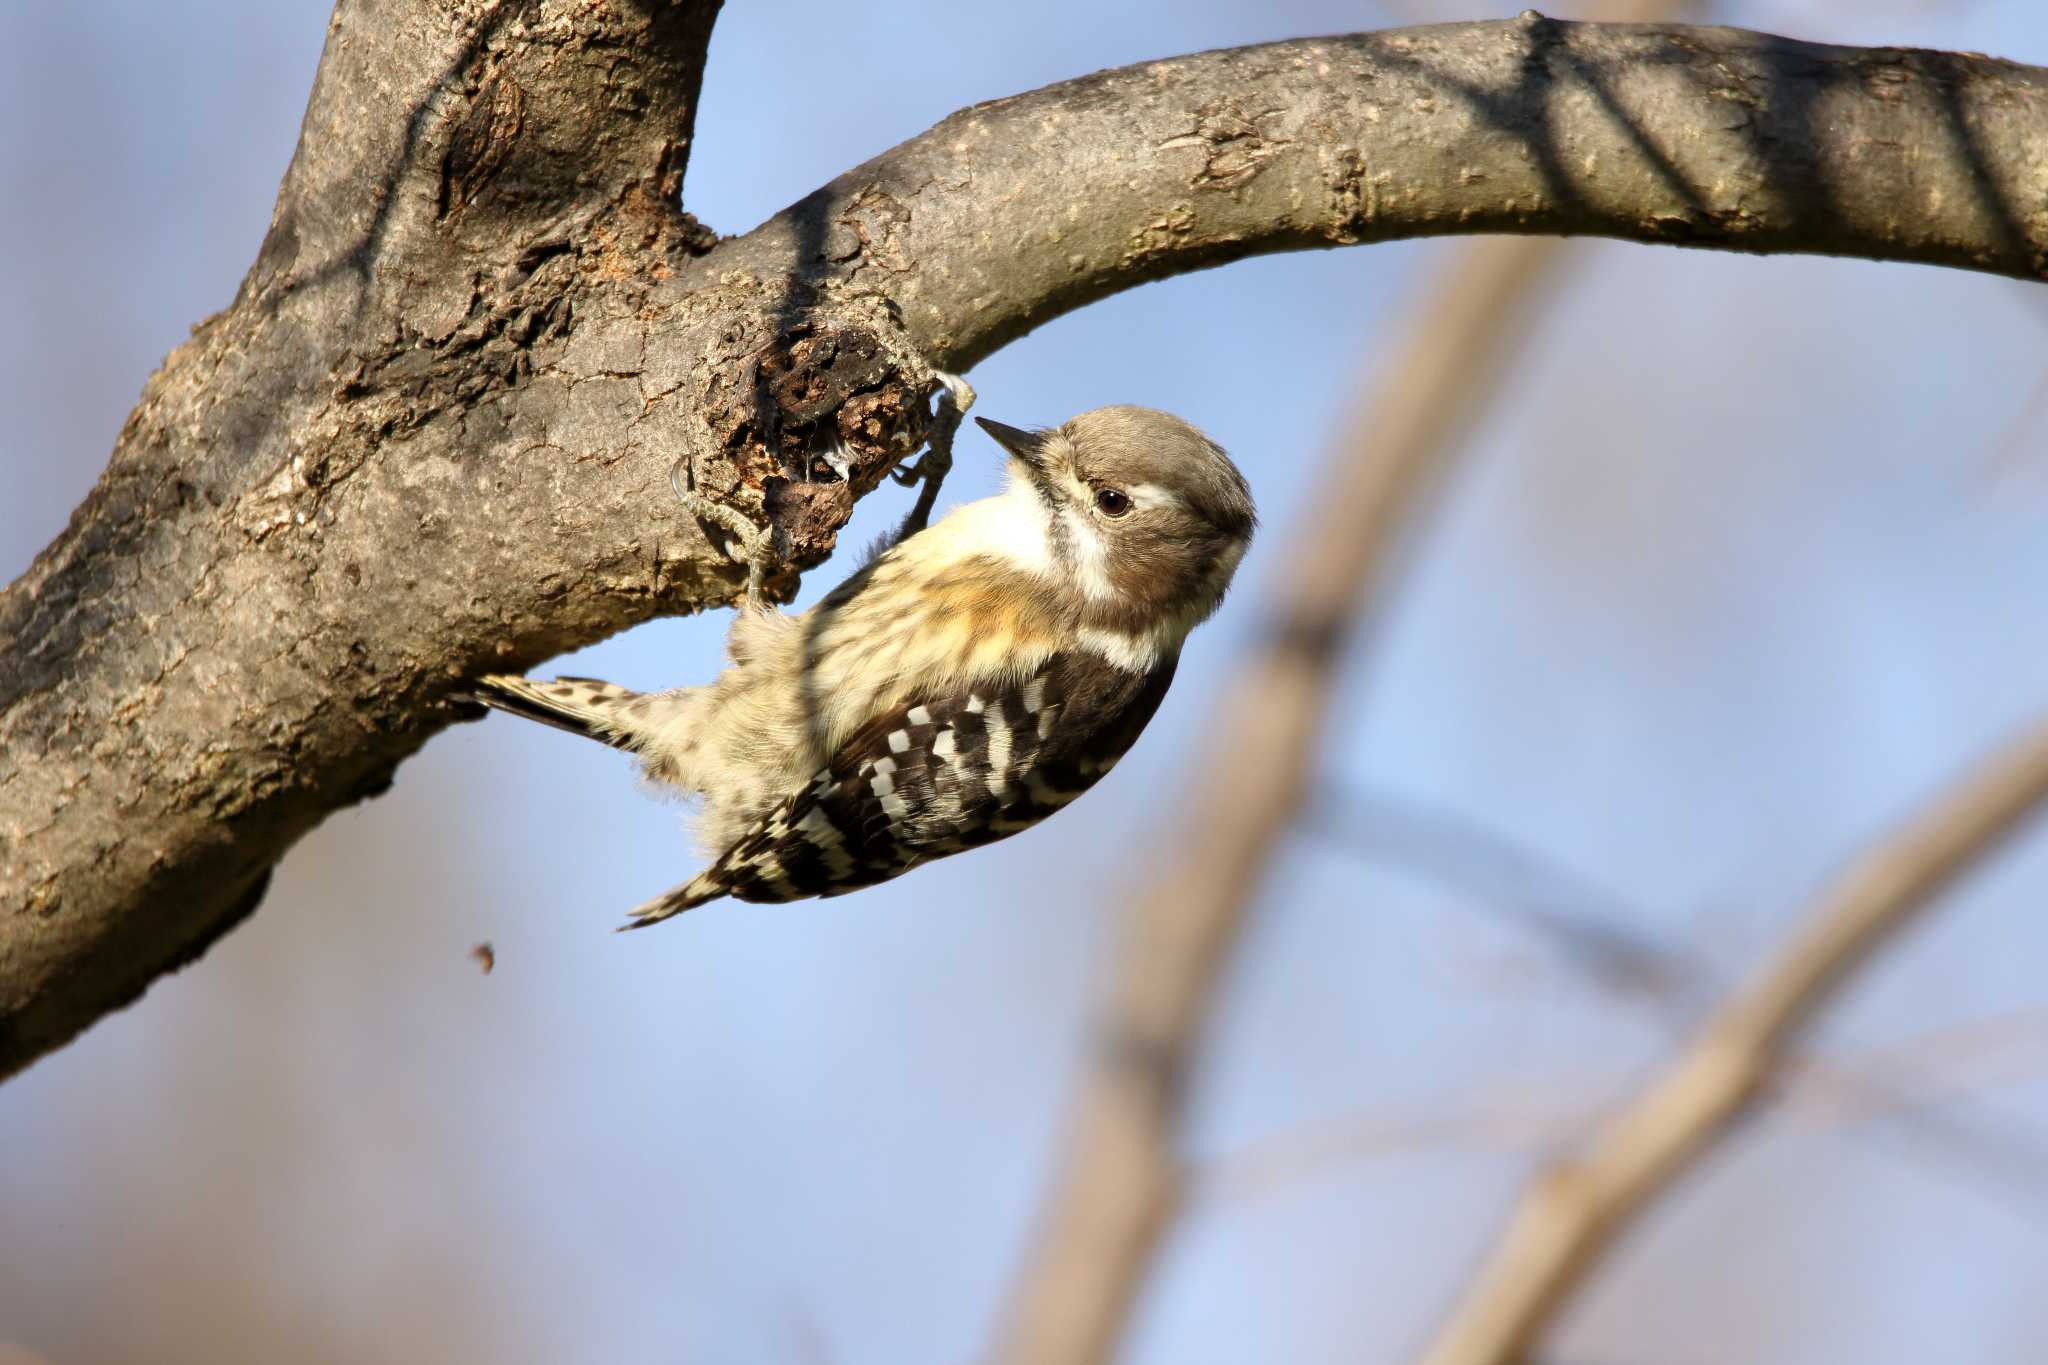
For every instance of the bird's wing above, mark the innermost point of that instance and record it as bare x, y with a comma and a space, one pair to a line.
933, 776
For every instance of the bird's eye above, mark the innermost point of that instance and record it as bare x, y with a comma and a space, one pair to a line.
1113, 501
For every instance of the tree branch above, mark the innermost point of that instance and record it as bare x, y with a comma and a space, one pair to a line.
432, 435
1575, 1211
1012, 212
1889, 1084
391, 459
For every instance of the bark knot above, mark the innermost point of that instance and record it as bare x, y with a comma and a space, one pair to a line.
482, 142
818, 416
1354, 194
876, 219
1236, 149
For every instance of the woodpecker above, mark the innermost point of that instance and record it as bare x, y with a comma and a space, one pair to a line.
969, 681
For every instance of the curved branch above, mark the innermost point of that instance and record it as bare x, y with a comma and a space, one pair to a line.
1012, 212
432, 435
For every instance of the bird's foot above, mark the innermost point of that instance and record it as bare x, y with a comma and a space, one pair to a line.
754, 546
956, 396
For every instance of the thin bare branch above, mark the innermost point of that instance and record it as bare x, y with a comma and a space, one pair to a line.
1574, 1211
1592, 930
1903, 1084
1603, 940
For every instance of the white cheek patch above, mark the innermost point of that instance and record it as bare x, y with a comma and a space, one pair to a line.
1085, 533
1090, 558
1010, 526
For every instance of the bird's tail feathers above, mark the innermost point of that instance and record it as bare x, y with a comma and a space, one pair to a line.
705, 886
582, 706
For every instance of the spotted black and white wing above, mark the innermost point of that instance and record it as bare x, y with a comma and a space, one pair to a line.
934, 776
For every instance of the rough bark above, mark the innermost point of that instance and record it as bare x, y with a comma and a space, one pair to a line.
433, 433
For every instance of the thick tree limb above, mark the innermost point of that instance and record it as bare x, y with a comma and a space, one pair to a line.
1576, 1210
1010, 213
432, 434
406, 449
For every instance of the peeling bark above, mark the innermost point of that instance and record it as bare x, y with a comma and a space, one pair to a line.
433, 433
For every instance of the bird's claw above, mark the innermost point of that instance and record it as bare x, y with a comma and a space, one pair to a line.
956, 396
756, 545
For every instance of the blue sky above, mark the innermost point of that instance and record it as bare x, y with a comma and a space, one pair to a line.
1745, 558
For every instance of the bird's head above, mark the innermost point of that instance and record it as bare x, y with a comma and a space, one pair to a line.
1143, 514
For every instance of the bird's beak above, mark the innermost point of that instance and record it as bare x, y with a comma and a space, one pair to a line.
1027, 446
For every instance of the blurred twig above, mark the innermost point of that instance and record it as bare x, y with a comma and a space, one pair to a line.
1927, 1067
1605, 941
1901, 1079
1913, 1087
1572, 1213
1122, 1181
2016, 449
1591, 929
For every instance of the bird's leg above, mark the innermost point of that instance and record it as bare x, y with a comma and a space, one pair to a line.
956, 396
756, 544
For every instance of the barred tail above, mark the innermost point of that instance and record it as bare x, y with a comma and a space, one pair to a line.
705, 886
582, 706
